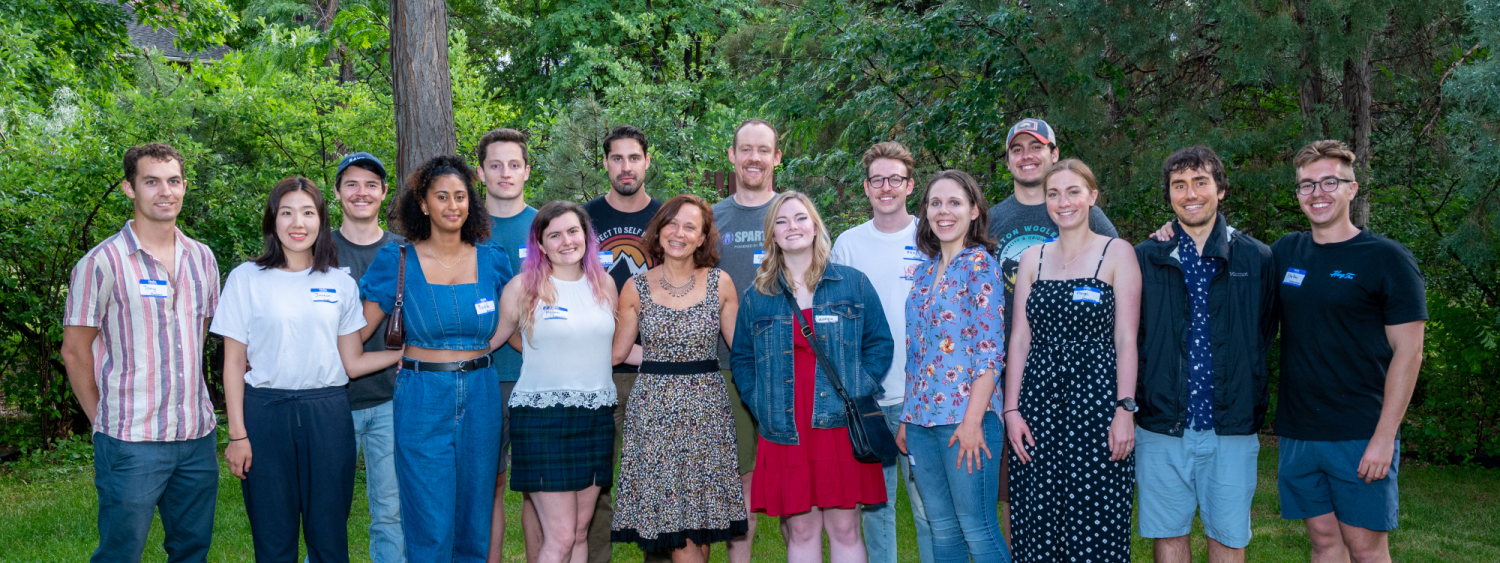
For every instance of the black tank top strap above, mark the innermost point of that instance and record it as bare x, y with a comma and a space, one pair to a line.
1101, 258
1042, 251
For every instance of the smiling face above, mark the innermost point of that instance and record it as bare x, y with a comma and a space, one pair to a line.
949, 211
794, 229
360, 193
626, 165
1324, 209
157, 189
890, 197
504, 170
1195, 196
447, 204
1069, 199
1028, 159
564, 241
755, 156
683, 234
297, 222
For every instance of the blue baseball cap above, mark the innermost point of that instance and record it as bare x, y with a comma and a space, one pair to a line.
1034, 127
368, 160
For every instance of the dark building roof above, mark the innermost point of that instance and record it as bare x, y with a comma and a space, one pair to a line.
142, 36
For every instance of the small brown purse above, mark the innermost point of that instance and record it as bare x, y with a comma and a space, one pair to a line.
395, 331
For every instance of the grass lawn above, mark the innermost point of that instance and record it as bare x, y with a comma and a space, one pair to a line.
1447, 514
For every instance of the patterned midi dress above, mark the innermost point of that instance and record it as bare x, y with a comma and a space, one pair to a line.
1071, 503
679, 478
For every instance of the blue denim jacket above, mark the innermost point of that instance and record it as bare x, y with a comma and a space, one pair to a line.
858, 342
441, 317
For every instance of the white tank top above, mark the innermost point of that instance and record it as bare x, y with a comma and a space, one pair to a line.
566, 359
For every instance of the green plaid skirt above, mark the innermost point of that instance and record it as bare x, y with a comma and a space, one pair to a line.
560, 449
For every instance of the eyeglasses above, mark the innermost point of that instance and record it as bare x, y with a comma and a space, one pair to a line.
1329, 185
880, 182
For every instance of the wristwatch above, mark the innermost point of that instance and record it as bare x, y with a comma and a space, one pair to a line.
1128, 403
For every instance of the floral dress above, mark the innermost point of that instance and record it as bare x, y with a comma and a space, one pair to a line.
954, 331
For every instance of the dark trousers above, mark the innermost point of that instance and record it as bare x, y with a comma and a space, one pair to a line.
136, 479
301, 472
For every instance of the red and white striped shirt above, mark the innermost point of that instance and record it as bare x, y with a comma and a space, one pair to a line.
148, 357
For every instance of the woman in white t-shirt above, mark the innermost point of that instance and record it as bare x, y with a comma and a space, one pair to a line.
562, 409
290, 321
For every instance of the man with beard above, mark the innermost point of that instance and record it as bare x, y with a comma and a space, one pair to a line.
1207, 320
1020, 221
619, 218
741, 220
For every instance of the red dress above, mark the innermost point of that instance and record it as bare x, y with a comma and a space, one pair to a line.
818, 471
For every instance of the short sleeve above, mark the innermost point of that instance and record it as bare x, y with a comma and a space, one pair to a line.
841, 254
988, 300
88, 292
501, 264
1405, 291
231, 316
352, 311
211, 280
378, 285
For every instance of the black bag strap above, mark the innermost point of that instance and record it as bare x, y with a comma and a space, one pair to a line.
833, 374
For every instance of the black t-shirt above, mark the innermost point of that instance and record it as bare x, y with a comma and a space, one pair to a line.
622, 236
374, 389
1335, 301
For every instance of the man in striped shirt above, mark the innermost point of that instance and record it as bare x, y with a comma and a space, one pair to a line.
137, 311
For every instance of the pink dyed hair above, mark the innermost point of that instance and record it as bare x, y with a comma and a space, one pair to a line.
536, 269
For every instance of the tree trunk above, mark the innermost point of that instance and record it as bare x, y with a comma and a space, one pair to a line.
1358, 82
1310, 93
422, 93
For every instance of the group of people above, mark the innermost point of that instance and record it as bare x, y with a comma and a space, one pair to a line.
1019, 354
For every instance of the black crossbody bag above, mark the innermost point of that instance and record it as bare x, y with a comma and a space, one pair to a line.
868, 431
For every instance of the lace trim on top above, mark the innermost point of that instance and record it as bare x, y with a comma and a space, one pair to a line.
544, 399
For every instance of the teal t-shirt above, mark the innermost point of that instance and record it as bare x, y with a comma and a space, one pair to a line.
510, 233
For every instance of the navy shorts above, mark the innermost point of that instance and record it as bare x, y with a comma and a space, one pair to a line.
1316, 478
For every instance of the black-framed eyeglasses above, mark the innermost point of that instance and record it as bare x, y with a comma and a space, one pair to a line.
880, 181
1329, 185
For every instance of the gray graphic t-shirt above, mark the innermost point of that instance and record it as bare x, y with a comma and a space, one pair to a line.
741, 237
1016, 227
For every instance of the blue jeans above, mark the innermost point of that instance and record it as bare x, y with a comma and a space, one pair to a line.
135, 479
374, 434
447, 456
879, 521
960, 505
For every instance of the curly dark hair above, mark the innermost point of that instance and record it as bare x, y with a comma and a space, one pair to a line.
415, 225
1193, 158
707, 254
979, 228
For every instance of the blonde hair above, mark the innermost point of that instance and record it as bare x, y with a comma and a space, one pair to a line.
1075, 166
1327, 148
769, 276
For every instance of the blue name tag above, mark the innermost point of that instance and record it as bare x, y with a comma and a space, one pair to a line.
154, 288
760, 256
325, 295
914, 255
1086, 294
606, 258
484, 306
554, 313
1294, 277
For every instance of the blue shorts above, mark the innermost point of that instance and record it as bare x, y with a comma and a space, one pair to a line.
1200, 472
1316, 478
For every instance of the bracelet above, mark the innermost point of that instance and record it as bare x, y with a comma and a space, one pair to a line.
1017, 409
247, 437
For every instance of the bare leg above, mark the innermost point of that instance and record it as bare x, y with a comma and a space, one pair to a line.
845, 544
497, 522
804, 540
559, 515
740, 547
585, 503
1219, 553
531, 528
1172, 550
1327, 539
690, 553
1366, 546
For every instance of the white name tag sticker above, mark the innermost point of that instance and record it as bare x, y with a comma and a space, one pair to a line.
824, 319
1294, 277
554, 313
154, 288
521, 252
1086, 294
484, 306
913, 254
606, 258
325, 295
760, 256
346, 270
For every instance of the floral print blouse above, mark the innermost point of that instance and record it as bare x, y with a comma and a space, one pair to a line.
954, 331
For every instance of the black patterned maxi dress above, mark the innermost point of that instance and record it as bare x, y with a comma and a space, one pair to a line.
679, 477
1071, 503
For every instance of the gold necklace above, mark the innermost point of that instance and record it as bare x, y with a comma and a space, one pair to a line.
440, 260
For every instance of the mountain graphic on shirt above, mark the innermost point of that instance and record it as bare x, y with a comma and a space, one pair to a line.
628, 251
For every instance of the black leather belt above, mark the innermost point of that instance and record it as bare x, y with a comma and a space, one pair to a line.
680, 368
465, 365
